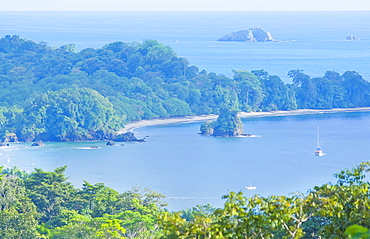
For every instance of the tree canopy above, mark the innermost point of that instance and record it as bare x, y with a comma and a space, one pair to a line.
60, 93
44, 204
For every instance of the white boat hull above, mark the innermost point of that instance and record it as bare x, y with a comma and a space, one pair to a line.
251, 187
319, 153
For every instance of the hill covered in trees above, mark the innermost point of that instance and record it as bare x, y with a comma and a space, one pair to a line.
61, 94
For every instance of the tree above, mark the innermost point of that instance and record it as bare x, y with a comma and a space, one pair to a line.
176, 107
69, 115
79, 226
17, 212
15, 171
347, 202
156, 52
277, 95
357, 89
138, 221
176, 227
298, 77
146, 197
49, 191
99, 199
249, 90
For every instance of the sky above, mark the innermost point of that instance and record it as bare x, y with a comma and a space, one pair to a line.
184, 5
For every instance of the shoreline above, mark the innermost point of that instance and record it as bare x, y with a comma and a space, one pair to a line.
200, 118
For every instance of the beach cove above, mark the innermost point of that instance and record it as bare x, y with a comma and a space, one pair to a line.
191, 119
191, 169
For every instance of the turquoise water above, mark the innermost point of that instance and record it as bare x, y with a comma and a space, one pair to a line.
191, 169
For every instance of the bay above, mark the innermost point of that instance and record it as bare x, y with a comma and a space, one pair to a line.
191, 169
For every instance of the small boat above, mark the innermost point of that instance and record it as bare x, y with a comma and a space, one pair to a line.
318, 151
251, 187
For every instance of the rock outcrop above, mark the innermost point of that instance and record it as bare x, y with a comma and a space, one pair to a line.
351, 38
110, 143
228, 124
38, 143
255, 34
127, 137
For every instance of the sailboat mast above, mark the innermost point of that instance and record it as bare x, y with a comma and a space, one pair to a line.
318, 151
318, 138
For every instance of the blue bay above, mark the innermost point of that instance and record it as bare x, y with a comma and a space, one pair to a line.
191, 169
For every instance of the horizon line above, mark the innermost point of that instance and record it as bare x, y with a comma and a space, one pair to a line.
50, 10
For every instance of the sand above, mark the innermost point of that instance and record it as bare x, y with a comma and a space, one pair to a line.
201, 118
173, 120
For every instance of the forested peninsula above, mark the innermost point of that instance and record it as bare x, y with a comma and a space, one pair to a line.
62, 94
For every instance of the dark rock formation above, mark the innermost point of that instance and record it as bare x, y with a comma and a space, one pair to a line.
127, 137
38, 143
228, 124
110, 143
254, 34
351, 38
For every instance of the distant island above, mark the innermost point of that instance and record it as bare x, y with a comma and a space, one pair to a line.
61, 94
255, 34
351, 38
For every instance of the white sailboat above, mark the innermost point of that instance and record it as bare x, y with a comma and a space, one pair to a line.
250, 187
318, 151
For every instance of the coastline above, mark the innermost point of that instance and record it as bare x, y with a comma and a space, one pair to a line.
200, 118
174, 120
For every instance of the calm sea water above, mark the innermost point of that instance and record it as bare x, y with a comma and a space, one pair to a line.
312, 41
191, 169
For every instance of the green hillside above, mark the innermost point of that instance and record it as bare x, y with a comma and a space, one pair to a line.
61, 94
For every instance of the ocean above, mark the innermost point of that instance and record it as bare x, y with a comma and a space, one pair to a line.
191, 169
312, 41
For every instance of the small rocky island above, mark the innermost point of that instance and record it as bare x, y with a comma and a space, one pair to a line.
38, 143
255, 34
228, 124
351, 38
127, 137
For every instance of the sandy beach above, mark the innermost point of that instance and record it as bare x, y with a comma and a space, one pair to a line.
173, 120
201, 118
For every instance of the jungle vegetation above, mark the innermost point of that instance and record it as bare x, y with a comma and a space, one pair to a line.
62, 94
44, 204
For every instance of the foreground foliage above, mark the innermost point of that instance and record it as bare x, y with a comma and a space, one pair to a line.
325, 212
61, 94
45, 205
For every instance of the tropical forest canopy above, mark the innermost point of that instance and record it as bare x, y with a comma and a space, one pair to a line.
61, 94
44, 204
